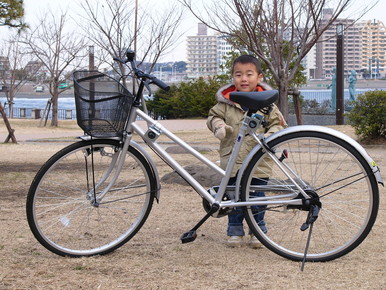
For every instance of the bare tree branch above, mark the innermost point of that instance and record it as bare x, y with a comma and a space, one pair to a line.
279, 32
57, 50
112, 29
14, 76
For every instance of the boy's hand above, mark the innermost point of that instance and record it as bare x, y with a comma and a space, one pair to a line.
220, 129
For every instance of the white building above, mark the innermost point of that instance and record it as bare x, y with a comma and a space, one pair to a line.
223, 50
309, 64
205, 53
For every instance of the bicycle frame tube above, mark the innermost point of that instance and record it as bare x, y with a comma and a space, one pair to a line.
155, 127
279, 164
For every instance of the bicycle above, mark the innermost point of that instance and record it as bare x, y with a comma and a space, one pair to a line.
94, 195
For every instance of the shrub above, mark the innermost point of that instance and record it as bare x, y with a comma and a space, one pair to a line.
368, 115
187, 100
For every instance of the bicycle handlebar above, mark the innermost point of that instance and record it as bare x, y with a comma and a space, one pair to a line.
140, 74
160, 84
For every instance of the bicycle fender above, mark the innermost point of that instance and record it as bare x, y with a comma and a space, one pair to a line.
151, 164
313, 128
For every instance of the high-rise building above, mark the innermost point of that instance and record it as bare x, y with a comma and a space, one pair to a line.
364, 49
205, 53
201, 54
309, 64
326, 48
223, 50
373, 36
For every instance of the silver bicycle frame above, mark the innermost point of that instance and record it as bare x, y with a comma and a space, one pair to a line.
155, 129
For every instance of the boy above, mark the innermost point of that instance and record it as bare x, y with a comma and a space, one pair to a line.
224, 121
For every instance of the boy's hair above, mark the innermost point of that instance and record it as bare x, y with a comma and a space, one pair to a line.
247, 58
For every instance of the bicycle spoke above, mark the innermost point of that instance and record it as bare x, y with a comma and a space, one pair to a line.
336, 175
61, 210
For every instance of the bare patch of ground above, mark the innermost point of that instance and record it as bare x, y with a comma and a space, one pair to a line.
155, 257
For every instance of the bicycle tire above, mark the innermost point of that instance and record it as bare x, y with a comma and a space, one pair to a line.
342, 179
59, 208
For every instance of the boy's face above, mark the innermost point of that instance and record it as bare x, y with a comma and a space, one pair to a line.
246, 77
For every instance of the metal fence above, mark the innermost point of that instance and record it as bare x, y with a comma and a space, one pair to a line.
313, 102
30, 113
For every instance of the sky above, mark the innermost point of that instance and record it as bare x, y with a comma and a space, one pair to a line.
34, 9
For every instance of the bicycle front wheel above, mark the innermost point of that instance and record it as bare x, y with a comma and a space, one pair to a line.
335, 173
61, 208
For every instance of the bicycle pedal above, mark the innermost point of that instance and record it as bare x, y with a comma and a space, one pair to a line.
188, 237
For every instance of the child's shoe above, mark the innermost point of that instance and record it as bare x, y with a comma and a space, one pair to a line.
235, 241
254, 242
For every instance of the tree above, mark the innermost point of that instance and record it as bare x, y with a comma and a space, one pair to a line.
57, 50
113, 28
16, 72
279, 32
11, 13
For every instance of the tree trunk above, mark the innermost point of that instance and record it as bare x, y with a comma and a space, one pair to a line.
11, 103
11, 131
283, 100
54, 121
9, 98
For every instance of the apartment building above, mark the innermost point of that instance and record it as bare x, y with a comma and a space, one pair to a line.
373, 37
364, 49
325, 50
205, 53
309, 64
223, 51
201, 53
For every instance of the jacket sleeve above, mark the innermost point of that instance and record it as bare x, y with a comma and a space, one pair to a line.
217, 111
276, 121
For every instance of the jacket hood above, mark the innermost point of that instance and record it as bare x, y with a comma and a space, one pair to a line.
222, 95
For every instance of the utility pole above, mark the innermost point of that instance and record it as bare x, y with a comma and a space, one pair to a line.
339, 74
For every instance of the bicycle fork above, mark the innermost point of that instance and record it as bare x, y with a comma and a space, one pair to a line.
117, 162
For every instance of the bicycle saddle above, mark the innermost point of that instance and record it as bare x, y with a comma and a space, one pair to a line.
254, 101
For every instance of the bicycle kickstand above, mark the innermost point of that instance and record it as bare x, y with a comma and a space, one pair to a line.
311, 218
191, 235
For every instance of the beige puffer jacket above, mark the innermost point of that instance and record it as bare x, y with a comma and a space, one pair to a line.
233, 115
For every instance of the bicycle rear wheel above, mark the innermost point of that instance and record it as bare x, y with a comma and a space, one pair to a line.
60, 208
341, 178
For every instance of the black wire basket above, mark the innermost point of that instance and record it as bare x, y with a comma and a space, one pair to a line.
102, 104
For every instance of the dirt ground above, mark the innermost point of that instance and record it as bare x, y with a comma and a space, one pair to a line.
155, 257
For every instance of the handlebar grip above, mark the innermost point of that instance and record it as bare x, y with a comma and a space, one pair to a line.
161, 84
119, 60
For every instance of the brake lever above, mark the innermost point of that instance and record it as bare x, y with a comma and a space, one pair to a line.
147, 85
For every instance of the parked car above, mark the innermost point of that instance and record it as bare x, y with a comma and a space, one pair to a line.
39, 89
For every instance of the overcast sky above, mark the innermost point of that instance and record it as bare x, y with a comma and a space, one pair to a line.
33, 9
